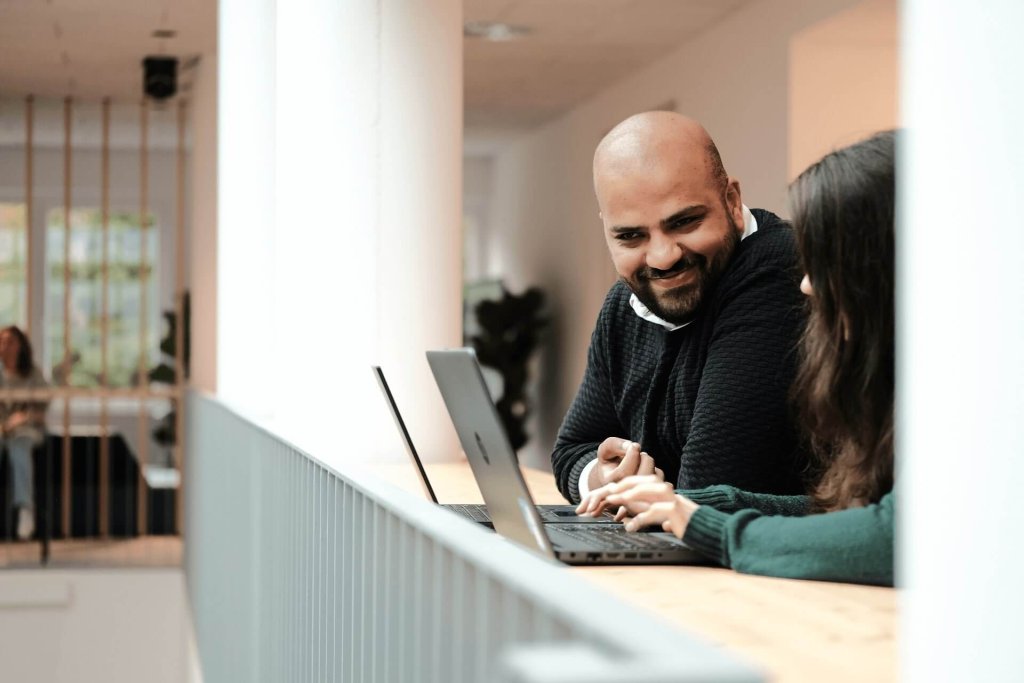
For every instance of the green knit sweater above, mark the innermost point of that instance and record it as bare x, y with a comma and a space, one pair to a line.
777, 536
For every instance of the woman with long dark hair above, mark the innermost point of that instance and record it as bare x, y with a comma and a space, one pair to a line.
844, 209
22, 422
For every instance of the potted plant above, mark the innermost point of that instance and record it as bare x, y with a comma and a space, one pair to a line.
510, 329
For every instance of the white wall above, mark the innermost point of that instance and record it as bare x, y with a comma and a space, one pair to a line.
477, 192
843, 75
733, 78
960, 413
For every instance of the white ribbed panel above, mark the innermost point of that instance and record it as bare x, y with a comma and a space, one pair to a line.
297, 572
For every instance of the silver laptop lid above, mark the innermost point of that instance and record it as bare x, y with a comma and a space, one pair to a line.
406, 439
494, 463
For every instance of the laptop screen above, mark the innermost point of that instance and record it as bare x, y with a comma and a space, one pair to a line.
491, 457
409, 447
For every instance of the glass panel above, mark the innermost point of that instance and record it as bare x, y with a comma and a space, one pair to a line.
13, 267
84, 364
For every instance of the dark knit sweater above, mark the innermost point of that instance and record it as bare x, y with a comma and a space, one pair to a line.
709, 401
775, 536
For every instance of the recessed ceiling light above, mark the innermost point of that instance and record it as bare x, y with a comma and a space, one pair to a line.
494, 30
164, 33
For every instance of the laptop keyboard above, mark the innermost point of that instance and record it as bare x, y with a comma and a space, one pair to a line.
614, 538
477, 513
563, 513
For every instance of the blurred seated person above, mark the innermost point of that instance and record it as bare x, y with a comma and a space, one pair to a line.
22, 422
843, 531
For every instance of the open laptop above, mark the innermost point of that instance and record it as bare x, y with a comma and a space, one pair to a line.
511, 507
549, 514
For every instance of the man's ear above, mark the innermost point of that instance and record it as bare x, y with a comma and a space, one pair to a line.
734, 202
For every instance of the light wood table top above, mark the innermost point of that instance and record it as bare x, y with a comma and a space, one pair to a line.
792, 630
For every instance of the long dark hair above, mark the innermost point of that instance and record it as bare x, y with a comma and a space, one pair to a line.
24, 363
844, 211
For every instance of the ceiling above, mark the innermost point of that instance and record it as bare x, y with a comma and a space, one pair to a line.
576, 49
93, 48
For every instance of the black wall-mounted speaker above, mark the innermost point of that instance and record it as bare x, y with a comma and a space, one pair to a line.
160, 77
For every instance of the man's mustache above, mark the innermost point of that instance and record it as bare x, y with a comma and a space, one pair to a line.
685, 263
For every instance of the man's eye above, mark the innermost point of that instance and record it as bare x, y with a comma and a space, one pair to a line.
627, 236
685, 223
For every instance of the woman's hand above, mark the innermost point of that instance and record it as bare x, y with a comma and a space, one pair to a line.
642, 501
15, 420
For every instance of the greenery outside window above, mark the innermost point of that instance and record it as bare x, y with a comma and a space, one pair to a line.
13, 268
126, 271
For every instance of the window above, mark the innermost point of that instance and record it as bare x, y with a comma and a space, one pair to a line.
126, 268
13, 269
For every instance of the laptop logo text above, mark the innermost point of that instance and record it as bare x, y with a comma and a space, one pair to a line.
480, 445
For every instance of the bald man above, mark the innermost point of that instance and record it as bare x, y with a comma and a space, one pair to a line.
691, 361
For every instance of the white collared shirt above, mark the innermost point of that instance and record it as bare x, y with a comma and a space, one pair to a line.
749, 228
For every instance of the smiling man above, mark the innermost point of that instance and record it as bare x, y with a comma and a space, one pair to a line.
690, 364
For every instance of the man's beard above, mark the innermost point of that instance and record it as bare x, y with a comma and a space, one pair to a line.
678, 305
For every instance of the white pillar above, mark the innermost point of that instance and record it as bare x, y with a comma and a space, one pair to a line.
420, 247
325, 306
359, 124
961, 335
245, 202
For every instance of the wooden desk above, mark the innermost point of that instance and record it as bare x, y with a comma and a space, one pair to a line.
793, 630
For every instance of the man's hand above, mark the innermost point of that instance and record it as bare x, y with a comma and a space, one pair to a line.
642, 501
620, 458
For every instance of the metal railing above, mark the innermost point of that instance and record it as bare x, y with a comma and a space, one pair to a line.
298, 572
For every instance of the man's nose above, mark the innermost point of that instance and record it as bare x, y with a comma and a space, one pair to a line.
663, 252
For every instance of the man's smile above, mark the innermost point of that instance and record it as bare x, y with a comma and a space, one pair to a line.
680, 278
675, 278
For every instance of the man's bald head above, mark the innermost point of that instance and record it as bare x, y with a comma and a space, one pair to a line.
658, 142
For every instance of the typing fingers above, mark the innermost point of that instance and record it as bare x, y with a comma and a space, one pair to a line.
664, 514
595, 502
639, 494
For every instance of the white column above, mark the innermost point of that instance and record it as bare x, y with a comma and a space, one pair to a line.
245, 203
420, 248
325, 306
961, 335
354, 154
